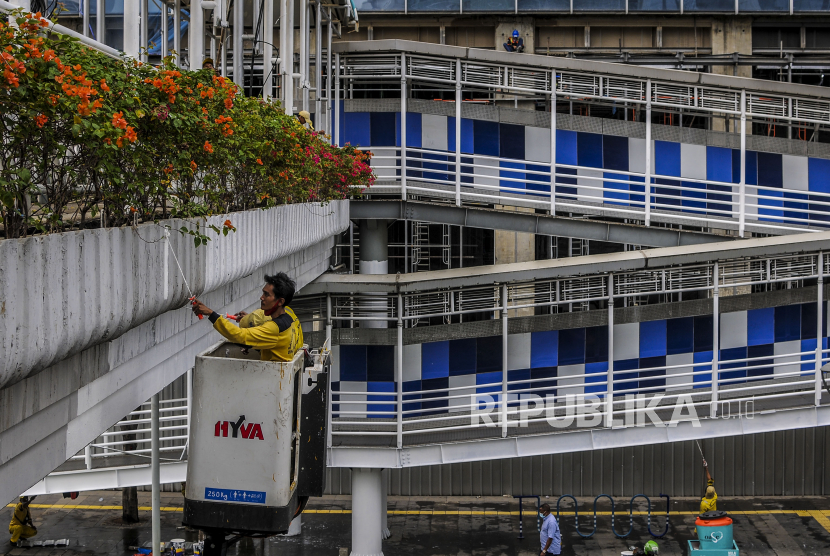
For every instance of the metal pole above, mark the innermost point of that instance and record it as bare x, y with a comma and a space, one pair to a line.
303, 51
461, 247
504, 360
189, 397
196, 39
715, 343
742, 186
403, 126
609, 377
458, 101
165, 32
318, 66
267, 49
88, 456
336, 140
328, 76
648, 153
86, 18
399, 377
132, 13
553, 147
177, 31
154, 449
145, 28
351, 246
328, 341
819, 325
238, 30
288, 56
100, 20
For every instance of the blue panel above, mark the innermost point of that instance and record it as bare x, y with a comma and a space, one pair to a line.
488, 354
543, 5
787, 323
489, 378
389, 408
731, 354
412, 386
451, 134
566, 151
469, 170
434, 384
652, 338
760, 351
764, 6
808, 320
432, 6
357, 129
512, 175
512, 141
380, 363
618, 193
799, 208
615, 153
384, 6
544, 387
488, 6
599, 6
690, 193
808, 345
562, 183
486, 138
654, 383
818, 172
383, 129
353, 363
596, 344
467, 135
516, 375
654, 5
719, 168
760, 326
435, 360
811, 5
463, 357
708, 6
703, 377
589, 149
544, 349
667, 158
536, 177
703, 333
680, 336
631, 378
572, 346
600, 369
770, 170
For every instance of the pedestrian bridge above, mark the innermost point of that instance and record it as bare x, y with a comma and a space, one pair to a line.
477, 130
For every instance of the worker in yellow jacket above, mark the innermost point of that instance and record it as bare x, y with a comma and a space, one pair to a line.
21, 526
709, 502
273, 329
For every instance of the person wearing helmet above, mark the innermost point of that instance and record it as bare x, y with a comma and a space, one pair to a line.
709, 502
515, 43
21, 525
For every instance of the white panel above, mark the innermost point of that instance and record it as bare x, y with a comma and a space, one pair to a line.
566, 386
693, 161
582, 181
678, 381
795, 171
733, 330
637, 155
626, 341
782, 348
335, 363
486, 173
385, 156
537, 144
411, 362
458, 381
434, 132
751, 197
518, 351
355, 387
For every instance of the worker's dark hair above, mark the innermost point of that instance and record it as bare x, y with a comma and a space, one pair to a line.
545, 508
284, 286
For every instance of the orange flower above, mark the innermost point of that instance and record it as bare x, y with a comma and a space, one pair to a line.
119, 142
133, 209
208, 147
41, 120
119, 121
228, 225
131, 134
228, 103
259, 161
193, 165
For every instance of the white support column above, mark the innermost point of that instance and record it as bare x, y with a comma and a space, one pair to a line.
86, 21
384, 486
287, 55
399, 376
283, 59
145, 29
504, 360
318, 67
609, 377
88, 456
819, 325
648, 154
132, 15
100, 21
238, 30
458, 101
713, 410
403, 126
267, 48
189, 398
366, 512
553, 146
303, 7
165, 32
329, 74
336, 139
195, 38
742, 185
177, 31
154, 462
328, 341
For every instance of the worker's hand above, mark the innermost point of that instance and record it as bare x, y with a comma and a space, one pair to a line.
240, 314
200, 308
705, 464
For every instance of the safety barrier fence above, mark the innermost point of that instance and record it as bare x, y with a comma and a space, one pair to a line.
490, 179
617, 393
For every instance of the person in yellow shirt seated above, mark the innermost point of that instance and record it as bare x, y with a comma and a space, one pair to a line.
273, 329
709, 502
21, 526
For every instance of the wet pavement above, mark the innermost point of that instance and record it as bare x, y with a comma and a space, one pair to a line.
436, 526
